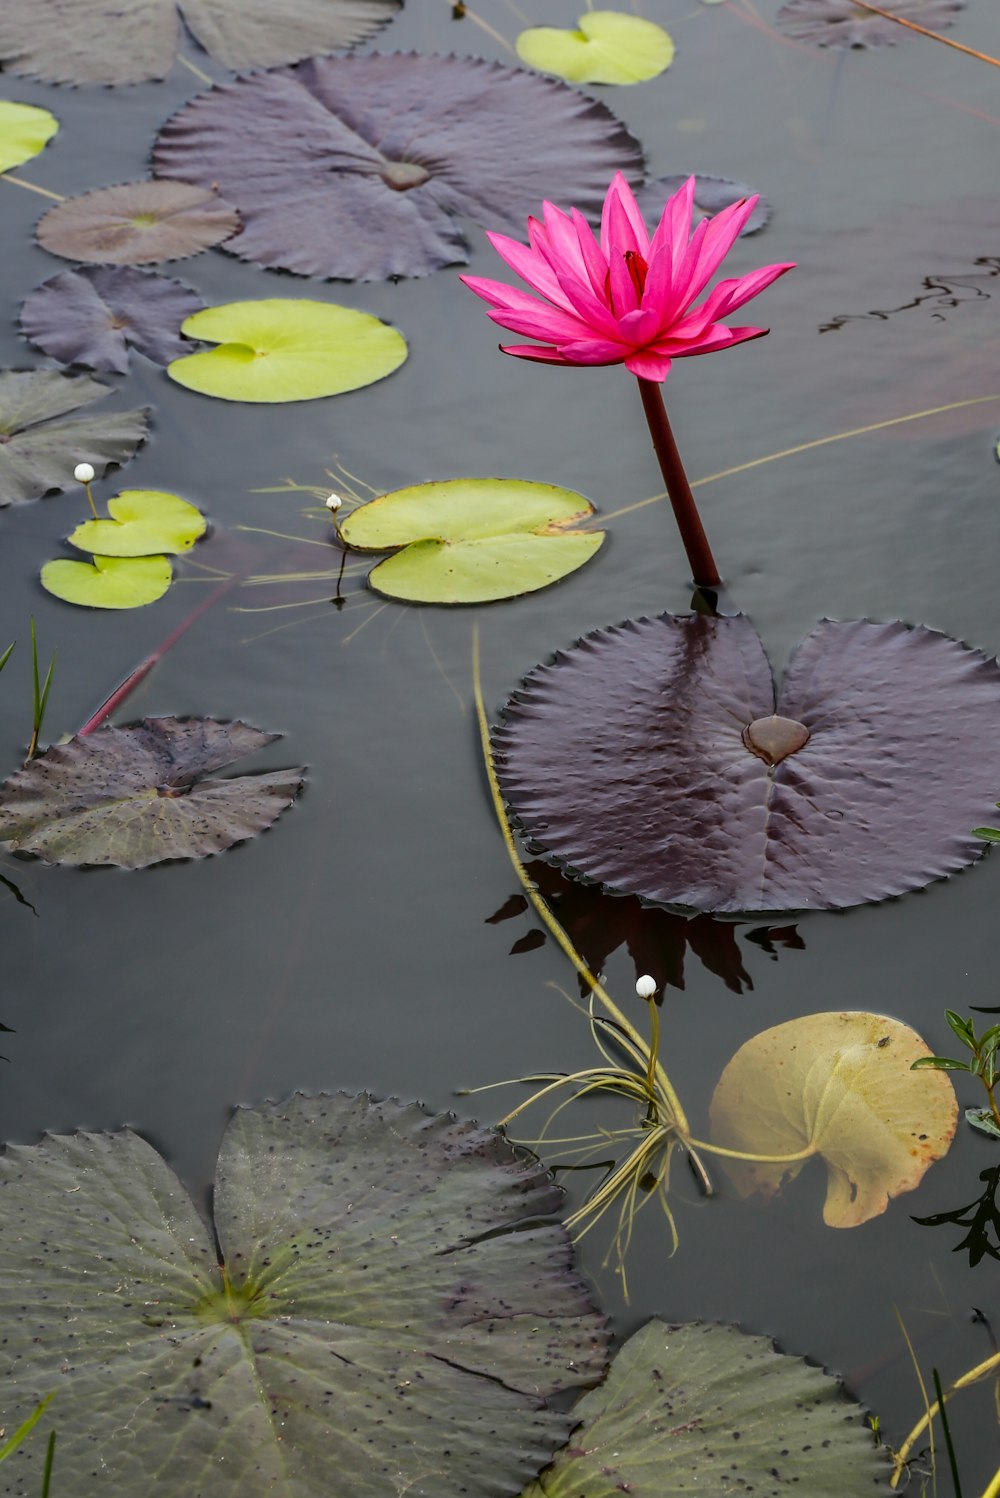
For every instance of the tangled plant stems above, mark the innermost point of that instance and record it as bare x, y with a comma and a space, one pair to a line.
628, 298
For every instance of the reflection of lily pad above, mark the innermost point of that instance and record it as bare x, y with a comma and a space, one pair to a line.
136, 796
838, 1086
472, 540
90, 41
286, 349
137, 223
711, 195
709, 1409
609, 46
884, 753
24, 131
143, 522
108, 582
840, 23
40, 445
391, 1312
94, 315
353, 167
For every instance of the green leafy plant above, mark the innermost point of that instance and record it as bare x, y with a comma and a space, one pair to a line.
983, 1064
24, 1429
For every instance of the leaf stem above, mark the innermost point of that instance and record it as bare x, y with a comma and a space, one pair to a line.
704, 571
946, 1426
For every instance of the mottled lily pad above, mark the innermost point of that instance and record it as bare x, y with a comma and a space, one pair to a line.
90, 41
370, 157
840, 23
93, 316
136, 796
137, 223
608, 46
392, 1312
652, 758
286, 349
143, 522
24, 131
108, 582
711, 195
841, 1087
472, 540
711, 1409
41, 444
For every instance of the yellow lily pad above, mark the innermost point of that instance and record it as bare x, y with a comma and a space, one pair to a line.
609, 47
24, 131
837, 1085
144, 523
108, 582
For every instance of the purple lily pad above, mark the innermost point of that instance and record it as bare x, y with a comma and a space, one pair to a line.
712, 194
841, 23
137, 223
370, 157
649, 758
93, 316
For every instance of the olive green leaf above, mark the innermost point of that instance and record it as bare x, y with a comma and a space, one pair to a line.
24, 131
609, 47
107, 582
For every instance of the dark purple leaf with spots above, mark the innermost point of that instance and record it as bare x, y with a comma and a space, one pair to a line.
137, 796
93, 316
41, 442
652, 758
841, 23
370, 157
711, 195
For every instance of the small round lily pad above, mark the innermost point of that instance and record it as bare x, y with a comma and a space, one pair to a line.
137, 223
472, 540
144, 522
24, 131
286, 349
108, 582
609, 46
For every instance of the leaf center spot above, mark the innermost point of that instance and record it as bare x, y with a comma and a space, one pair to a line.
144, 220
172, 791
232, 1304
774, 739
402, 175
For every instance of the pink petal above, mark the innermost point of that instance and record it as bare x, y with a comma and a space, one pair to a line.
622, 227
729, 295
561, 247
648, 365
505, 299
674, 229
530, 266
624, 297
594, 310
540, 321
594, 351
536, 351
724, 228
719, 338
596, 263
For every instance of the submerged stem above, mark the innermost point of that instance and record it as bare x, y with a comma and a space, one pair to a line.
704, 571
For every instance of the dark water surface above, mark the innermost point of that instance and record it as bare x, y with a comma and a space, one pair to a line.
350, 947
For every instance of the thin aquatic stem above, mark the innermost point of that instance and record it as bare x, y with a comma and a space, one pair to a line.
981, 1370
704, 571
718, 1149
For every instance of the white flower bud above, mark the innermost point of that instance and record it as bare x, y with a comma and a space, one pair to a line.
646, 986
83, 473
333, 501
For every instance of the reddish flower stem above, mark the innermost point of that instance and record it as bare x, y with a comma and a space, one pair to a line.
699, 554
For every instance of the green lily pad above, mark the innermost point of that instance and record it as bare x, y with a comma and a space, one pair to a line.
108, 582
39, 447
143, 522
24, 131
286, 349
472, 540
710, 1409
609, 47
389, 1314
135, 796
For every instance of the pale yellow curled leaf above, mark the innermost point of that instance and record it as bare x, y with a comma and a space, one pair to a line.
839, 1086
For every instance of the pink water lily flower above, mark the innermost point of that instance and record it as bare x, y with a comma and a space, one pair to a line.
628, 298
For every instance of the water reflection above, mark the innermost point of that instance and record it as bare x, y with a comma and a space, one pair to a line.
981, 1217
657, 940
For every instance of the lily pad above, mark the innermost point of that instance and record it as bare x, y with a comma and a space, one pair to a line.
472, 540
95, 315
608, 47
40, 444
286, 349
711, 195
137, 223
143, 522
841, 23
135, 40
652, 758
108, 582
390, 1313
711, 1409
370, 158
24, 131
136, 796
839, 1086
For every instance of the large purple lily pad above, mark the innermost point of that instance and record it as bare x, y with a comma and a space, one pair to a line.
841, 23
92, 41
94, 315
649, 758
370, 157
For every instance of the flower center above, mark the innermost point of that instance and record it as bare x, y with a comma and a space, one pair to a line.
637, 269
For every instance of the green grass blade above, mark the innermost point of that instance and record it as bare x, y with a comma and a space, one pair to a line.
26, 1428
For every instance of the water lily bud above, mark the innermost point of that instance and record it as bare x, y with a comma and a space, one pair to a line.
83, 473
645, 986
333, 501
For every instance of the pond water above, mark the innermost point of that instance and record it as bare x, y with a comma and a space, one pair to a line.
352, 947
